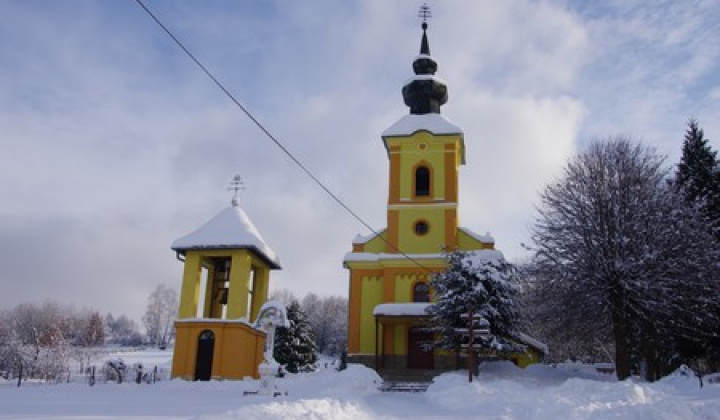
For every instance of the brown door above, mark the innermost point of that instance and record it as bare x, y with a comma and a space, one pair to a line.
420, 350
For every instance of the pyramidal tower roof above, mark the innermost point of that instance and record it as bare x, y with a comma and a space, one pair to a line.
231, 228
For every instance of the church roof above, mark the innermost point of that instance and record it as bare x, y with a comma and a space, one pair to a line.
416, 309
410, 124
231, 228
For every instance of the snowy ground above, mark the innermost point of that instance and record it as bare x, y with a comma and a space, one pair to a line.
502, 392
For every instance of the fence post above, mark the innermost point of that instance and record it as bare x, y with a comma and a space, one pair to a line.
91, 380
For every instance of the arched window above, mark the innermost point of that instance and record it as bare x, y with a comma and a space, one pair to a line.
421, 292
422, 181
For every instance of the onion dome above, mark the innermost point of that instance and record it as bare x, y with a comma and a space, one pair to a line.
425, 93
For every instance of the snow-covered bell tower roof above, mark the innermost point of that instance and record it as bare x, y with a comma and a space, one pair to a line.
231, 228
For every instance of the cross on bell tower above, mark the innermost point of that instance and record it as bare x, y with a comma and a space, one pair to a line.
236, 185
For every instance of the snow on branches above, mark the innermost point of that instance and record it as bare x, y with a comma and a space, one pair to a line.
486, 284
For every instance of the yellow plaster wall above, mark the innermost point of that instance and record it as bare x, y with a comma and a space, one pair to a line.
237, 352
375, 245
401, 336
261, 285
403, 287
190, 289
411, 155
240, 267
467, 242
430, 243
523, 360
372, 295
243, 261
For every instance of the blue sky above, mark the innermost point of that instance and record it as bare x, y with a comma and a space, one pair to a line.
114, 144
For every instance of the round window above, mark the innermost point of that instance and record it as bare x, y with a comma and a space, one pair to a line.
421, 227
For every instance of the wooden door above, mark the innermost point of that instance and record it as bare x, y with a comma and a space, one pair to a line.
420, 351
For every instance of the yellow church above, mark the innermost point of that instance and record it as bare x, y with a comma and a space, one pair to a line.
390, 271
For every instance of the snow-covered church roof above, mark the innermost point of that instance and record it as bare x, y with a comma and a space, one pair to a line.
410, 124
231, 228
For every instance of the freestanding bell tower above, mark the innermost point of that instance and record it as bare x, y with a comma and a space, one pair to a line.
228, 263
390, 272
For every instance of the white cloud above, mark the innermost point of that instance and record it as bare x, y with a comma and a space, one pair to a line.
114, 143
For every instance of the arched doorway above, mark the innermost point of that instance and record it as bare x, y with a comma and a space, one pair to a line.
204, 359
420, 351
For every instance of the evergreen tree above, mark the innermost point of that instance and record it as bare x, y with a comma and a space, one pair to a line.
481, 282
295, 346
698, 175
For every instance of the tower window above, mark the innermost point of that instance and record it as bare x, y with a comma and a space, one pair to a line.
421, 292
422, 181
421, 227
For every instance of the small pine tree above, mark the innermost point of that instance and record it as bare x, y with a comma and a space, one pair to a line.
481, 281
698, 175
295, 346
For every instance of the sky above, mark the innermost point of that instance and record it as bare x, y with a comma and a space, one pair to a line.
113, 142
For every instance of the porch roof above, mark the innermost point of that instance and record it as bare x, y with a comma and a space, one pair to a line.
414, 309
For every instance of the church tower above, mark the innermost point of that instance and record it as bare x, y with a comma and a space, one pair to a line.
390, 272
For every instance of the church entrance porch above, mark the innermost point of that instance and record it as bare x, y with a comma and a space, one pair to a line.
404, 339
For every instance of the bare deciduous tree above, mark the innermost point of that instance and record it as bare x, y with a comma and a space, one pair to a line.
618, 252
161, 311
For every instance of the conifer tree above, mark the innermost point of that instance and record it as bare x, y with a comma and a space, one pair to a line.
698, 175
295, 346
482, 282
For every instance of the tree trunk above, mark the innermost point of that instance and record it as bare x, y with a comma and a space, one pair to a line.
620, 334
20, 375
651, 360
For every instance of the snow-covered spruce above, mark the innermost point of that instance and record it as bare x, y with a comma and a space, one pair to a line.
485, 283
295, 346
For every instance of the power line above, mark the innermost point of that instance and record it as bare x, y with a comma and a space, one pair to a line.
273, 138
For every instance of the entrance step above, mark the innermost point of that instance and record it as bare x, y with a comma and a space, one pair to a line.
408, 375
406, 380
392, 386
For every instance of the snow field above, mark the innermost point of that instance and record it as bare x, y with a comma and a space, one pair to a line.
502, 391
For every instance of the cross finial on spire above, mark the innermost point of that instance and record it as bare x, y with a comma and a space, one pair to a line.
424, 14
236, 185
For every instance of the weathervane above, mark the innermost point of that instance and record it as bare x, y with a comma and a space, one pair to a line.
236, 185
424, 14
